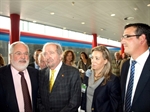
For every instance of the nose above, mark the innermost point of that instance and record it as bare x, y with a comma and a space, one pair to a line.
122, 40
46, 56
92, 60
23, 55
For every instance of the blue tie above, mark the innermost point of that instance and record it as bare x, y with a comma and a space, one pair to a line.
130, 87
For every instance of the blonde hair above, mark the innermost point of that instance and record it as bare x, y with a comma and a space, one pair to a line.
106, 71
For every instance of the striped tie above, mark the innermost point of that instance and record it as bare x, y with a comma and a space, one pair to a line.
129, 89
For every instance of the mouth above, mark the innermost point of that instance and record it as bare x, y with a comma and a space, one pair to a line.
93, 65
22, 61
48, 61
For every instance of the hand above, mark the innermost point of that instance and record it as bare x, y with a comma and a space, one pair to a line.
81, 70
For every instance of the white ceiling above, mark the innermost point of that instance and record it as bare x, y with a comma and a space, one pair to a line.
95, 14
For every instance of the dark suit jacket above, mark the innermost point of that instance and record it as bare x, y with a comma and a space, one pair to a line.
32, 65
141, 100
66, 92
8, 101
106, 97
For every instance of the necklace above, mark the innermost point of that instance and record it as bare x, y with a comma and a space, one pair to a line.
97, 77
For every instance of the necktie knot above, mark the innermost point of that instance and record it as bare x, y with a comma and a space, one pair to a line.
133, 63
21, 73
53, 71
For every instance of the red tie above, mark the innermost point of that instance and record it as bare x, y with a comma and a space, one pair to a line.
26, 96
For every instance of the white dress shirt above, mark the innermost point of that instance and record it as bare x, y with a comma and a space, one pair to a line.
138, 70
56, 71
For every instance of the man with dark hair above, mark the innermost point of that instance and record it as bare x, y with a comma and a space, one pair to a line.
135, 74
35, 56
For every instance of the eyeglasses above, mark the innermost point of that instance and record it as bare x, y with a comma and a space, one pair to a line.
19, 53
128, 36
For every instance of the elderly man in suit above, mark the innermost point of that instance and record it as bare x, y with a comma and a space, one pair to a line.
18, 83
59, 91
135, 74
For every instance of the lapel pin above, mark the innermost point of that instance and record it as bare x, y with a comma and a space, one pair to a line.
62, 75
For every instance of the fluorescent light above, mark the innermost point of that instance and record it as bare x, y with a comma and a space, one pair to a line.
34, 21
148, 5
82, 22
52, 13
135, 8
113, 14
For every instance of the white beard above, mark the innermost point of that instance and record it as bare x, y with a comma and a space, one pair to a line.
20, 66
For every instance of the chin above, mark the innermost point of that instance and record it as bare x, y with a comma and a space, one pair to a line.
20, 67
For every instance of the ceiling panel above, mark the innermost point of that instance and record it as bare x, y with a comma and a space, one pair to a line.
95, 14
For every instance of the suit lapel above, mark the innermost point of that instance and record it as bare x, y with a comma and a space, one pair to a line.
124, 74
145, 76
10, 89
46, 78
59, 77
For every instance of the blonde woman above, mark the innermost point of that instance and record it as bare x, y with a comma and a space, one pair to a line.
100, 89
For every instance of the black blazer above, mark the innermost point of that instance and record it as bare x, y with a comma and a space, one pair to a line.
66, 92
106, 97
32, 65
141, 100
8, 101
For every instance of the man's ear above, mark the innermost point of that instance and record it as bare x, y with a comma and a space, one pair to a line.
61, 56
142, 39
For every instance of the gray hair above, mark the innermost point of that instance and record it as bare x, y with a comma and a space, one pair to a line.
58, 46
11, 48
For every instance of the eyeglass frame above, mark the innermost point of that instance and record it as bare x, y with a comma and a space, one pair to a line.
128, 36
18, 53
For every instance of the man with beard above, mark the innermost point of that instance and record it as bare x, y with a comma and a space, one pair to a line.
18, 83
59, 84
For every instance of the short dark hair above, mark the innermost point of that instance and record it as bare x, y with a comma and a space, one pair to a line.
38, 50
141, 28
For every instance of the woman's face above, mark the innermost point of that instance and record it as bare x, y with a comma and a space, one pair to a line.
69, 57
82, 56
97, 60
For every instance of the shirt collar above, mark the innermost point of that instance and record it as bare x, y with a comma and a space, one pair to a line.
142, 58
58, 66
16, 71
